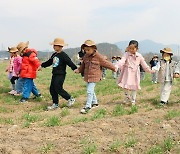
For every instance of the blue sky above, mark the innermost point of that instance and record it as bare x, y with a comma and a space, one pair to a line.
40, 21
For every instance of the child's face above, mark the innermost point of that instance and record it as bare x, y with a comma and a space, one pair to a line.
89, 50
166, 56
57, 48
132, 49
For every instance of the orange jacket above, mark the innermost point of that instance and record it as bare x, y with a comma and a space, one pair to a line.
30, 64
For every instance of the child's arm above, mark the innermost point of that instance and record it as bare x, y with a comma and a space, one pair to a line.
145, 66
121, 62
69, 62
107, 64
49, 62
34, 59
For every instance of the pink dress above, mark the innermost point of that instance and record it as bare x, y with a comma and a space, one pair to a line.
130, 72
17, 65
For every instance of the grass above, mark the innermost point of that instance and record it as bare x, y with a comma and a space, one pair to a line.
89, 146
114, 146
172, 114
80, 119
130, 142
99, 114
119, 110
5, 121
31, 118
46, 148
65, 112
52, 121
162, 148
134, 109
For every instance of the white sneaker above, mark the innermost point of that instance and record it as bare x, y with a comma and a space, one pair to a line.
12, 92
133, 102
53, 107
127, 99
70, 102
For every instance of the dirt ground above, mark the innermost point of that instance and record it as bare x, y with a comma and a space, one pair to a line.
67, 139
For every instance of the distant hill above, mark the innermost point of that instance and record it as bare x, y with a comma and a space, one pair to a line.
147, 46
104, 48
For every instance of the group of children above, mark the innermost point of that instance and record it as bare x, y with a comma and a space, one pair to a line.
91, 66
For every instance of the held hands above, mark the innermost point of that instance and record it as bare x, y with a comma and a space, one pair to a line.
116, 69
152, 71
39, 68
76, 71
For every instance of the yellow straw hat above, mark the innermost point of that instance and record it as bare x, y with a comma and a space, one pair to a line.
59, 41
21, 46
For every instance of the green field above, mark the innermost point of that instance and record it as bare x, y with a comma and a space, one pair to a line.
113, 127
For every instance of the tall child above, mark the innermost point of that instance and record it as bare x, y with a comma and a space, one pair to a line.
16, 68
92, 65
59, 60
129, 78
166, 68
29, 67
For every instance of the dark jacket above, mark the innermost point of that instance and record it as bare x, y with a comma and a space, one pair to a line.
59, 61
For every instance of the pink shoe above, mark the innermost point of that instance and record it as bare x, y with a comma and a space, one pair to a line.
12, 92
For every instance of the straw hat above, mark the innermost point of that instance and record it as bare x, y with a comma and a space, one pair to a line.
155, 56
166, 50
58, 41
12, 49
88, 43
21, 46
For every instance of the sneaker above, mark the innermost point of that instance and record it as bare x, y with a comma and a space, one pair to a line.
38, 96
155, 82
133, 102
17, 94
12, 92
53, 107
127, 99
95, 105
85, 110
23, 100
70, 102
163, 103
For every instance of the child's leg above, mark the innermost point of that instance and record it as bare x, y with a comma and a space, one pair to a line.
13, 82
165, 91
35, 90
28, 83
53, 92
94, 101
134, 96
90, 94
127, 96
58, 85
19, 85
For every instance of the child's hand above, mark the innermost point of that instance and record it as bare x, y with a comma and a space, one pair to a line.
39, 68
116, 69
176, 75
76, 71
153, 71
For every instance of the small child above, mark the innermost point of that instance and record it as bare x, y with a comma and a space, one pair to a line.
118, 58
10, 71
16, 68
59, 60
153, 63
29, 67
166, 68
177, 71
92, 65
104, 69
129, 78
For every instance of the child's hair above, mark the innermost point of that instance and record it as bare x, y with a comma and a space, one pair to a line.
134, 42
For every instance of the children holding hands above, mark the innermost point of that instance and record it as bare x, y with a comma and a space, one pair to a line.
129, 78
92, 65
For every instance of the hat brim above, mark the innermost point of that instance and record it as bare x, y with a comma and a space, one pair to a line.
164, 51
87, 45
58, 44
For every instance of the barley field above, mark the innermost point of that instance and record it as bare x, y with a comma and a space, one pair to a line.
113, 127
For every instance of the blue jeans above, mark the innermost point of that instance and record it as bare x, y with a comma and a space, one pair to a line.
19, 85
91, 96
29, 87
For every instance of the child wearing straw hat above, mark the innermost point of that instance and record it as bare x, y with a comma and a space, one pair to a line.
29, 67
16, 65
59, 60
92, 65
165, 67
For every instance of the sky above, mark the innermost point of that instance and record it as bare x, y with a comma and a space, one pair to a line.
40, 21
